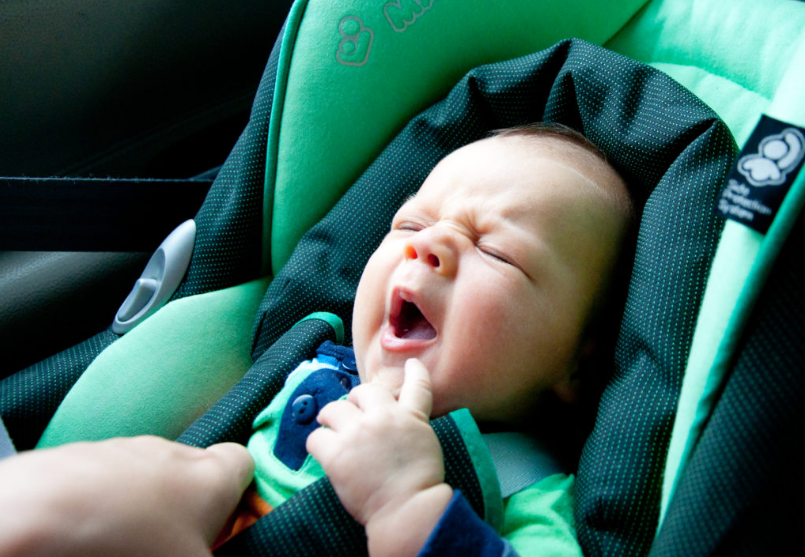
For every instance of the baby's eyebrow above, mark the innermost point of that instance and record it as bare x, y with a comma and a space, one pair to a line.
405, 202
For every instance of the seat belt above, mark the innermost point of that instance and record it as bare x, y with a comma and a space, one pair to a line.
520, 461
94, 214
6, 446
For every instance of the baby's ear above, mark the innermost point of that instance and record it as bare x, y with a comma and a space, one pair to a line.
568, 389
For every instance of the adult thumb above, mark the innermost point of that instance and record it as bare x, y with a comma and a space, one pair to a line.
236, 460
229, 471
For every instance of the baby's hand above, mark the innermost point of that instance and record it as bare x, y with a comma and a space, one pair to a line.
385, 462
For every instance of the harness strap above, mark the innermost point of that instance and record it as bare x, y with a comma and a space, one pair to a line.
520, 461
6, 446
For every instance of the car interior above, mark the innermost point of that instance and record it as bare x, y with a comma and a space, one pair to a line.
189, 192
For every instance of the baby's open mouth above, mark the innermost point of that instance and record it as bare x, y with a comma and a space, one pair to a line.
409, 323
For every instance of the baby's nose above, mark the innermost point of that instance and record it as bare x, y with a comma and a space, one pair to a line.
434, 249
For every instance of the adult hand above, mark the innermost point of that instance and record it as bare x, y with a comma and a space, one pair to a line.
385, 462
134, 496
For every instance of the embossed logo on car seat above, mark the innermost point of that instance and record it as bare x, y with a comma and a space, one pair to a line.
402, 13
778, 154
356, 42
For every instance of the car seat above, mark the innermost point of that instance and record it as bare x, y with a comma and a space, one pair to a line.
697, 307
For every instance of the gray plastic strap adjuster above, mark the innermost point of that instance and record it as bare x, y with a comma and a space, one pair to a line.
160, 279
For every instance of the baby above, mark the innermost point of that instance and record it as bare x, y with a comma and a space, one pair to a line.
485, 298
481, 297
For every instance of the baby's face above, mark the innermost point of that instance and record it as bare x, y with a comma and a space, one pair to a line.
488, 276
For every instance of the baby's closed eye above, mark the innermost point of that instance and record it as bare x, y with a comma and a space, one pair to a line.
408, 226
495, 254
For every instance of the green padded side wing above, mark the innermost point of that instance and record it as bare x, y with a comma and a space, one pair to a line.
732, 55
354, 73
165, 373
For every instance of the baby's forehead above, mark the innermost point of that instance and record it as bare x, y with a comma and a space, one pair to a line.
585, 160
534, 182
519, 151
509, 167
559, 149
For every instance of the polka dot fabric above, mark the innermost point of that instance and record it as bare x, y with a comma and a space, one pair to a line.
311, 523
230, 222
231, 418
741, 493
29, 398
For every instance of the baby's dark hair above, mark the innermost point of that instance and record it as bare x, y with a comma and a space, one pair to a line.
551, 130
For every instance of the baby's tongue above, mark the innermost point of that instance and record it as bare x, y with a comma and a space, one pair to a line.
412, 325
420, 330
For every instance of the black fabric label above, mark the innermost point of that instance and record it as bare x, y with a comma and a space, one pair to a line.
763, 174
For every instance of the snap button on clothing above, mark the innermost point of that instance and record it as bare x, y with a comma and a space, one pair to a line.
350, 364
304, 409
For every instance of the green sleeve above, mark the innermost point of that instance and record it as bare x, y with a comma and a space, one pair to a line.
539, 519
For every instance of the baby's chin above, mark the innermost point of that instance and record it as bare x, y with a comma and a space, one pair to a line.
392, 378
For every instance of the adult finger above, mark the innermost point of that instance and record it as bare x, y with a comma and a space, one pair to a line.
416, 393
225, 471
236, 461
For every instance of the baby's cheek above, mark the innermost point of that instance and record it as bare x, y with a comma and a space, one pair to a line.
487, 318
367, 313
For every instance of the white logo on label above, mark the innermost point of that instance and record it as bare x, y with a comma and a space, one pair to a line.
778, 155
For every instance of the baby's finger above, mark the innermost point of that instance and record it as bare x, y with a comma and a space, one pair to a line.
323, 445
338, 413
371, 396
416, 393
